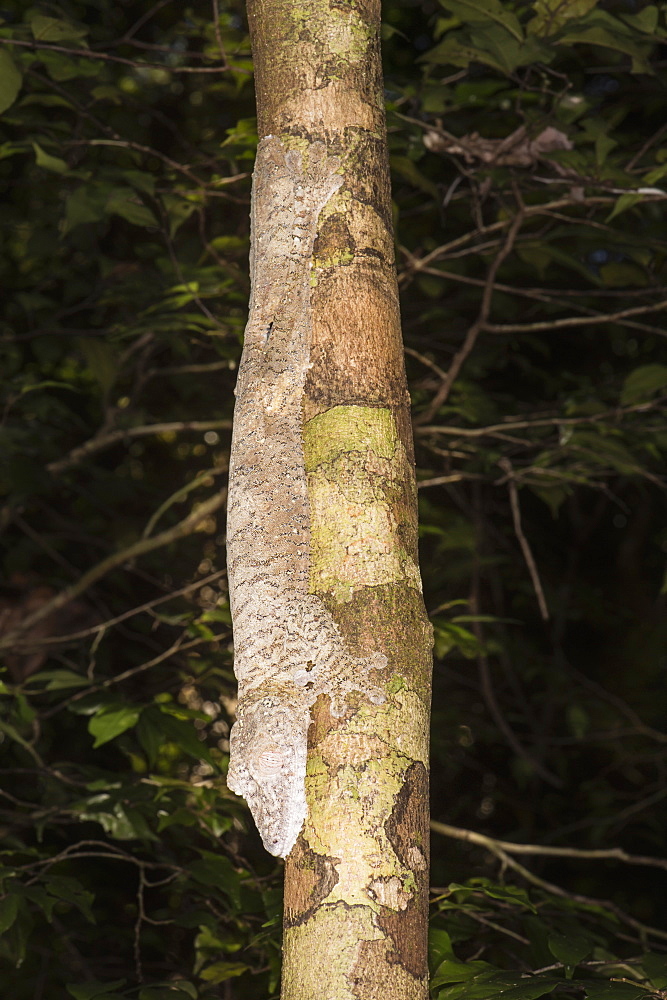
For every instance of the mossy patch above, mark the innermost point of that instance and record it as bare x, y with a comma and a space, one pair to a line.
357, 468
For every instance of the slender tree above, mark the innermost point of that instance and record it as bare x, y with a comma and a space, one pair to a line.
333, 646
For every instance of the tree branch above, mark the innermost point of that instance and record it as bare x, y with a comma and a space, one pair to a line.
506, 465
569, 321
103, 441
503, 850
474, 432
185, 527
107, 57
477, 327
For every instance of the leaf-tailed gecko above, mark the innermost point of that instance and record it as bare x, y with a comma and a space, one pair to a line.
288, 648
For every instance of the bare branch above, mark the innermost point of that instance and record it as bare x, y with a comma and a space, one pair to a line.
110, 622
103, 441
504, 850
107, 57
555, 421
506, 465
185, 527
477, 327
569, 321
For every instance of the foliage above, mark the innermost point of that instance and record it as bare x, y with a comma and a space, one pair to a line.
529, 163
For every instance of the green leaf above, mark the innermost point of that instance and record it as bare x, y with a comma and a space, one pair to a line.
87, 204
643, 383
452, 971
608, 32
49, 162
9, 908
118, 820
52, 29
36, 894
46, 101
180, 817
407, 169
614, 991
91, 990
451, 52
550, 15
501, 987
439, 946
124, 202
512, 894
623, 274
71, 891
655, 967
645, 20
220, 971
59, 680
111, 722
185, 735
10, 80
175, 988
605, 450
623, 202
570, 949
101, 360
10, 148
178, 211
105, 92
150, 734
578, 720
483, 11
216, 869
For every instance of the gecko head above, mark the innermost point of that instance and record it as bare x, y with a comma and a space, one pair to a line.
268, 768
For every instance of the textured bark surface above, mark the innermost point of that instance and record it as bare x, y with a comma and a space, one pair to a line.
332, 640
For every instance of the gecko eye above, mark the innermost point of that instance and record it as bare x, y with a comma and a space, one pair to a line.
269, 763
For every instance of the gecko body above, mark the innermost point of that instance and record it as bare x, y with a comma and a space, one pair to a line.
288, 649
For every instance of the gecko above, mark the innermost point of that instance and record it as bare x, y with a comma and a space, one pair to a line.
288, 649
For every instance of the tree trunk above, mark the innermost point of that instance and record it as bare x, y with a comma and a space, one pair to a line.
331, 636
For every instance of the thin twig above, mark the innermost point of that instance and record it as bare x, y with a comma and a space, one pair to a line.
488, 692
426, 361
480, 323
218, 33
541, 296
185, 527
622, 706
506, 466
595, 418
503, 850
103, 441
110, 622
417, 263
456, 477
569, 321
107, 57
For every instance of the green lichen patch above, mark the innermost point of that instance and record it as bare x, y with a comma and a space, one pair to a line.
396, 684
337, 258
351, 792
348, 36
357, 471
402, 704
349, 428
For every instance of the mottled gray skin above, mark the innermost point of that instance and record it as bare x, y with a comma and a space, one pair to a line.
288, 648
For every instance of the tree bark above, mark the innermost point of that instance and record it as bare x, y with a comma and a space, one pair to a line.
333, 645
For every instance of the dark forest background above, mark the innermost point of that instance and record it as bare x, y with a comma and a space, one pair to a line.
529, 156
